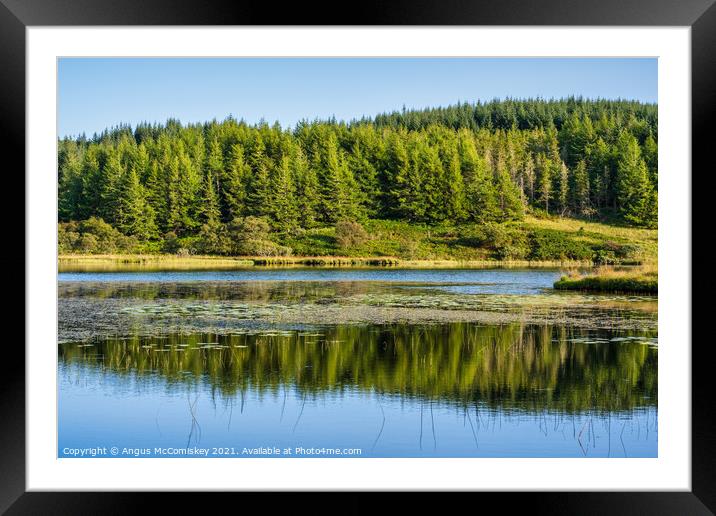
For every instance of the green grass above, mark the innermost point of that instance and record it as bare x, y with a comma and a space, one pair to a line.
531, 240
643, 280
551, 241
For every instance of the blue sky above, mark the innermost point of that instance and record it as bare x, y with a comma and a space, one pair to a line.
96, 93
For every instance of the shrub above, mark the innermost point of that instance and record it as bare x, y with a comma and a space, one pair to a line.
67, 239
88, 243
250, 227
604, 257
252, 247
171, 243
93, 236
213, 240
250, 236
507, 243
622, 250
547, 244
612, 253
541, 214
350, 234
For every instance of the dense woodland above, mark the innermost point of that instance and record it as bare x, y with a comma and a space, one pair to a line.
226, 182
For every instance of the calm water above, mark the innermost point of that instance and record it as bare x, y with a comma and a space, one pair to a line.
501, 281
400, 389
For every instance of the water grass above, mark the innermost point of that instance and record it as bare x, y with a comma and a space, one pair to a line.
169, 262
121, 262
641, 280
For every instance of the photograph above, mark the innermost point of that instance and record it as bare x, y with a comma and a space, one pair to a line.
357, 257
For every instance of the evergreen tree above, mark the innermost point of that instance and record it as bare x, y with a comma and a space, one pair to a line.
454, 164
283, 208
580, 189
307, 190
396, 174
544, 180
70, 188
454, 187
481, 198
258, 192
528, 179
561, 188
508, 195
132, 215
651, 157
634, 190
233, 187
210, 213
109, 194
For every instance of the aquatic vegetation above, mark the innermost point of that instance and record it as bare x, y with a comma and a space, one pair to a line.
424, 349
642, 280
89, 309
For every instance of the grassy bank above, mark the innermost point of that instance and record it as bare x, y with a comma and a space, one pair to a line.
109, 262
167, 262
644, 280
534, 241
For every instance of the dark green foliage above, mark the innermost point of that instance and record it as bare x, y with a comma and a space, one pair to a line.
350, 234
250, 236
613, 253
546, 244
627, 285
93, 236
485, 162
635, 192
504, 242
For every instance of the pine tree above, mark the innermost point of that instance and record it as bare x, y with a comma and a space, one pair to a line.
481, 202
173, 216
92, 183
651, 157
561, 187
233, 187
453, 188
132, 216
307, 190
70, 188
283, 208
210, 213
580, 189
544, 169
397, 171
189, 188
339, 195
258, 194
112, 173
508, 196
366, 176
466, 162
634, 190
528, 177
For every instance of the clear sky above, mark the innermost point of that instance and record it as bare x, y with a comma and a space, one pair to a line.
96, 93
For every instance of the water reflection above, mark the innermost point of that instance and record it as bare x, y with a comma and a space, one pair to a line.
456, 389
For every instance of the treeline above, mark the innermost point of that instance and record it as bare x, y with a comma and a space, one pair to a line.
505, 366
484, 162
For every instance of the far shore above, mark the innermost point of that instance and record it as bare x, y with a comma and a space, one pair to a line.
122, 262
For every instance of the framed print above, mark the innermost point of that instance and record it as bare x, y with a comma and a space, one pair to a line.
419, 250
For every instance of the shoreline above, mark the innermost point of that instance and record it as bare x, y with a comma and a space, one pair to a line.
128, 262
642, 280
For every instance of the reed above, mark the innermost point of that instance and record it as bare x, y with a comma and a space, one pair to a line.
638, 280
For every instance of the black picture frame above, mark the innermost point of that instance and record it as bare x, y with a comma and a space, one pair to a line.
16, 15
